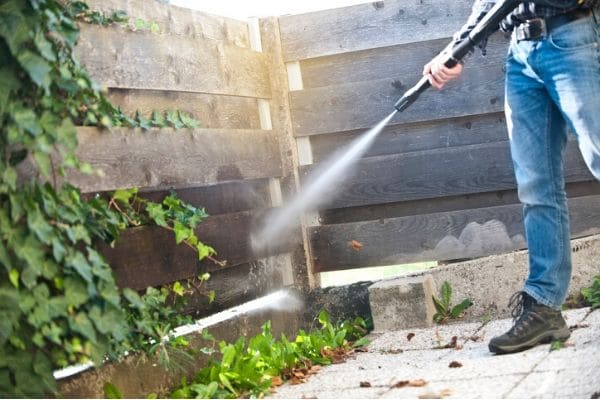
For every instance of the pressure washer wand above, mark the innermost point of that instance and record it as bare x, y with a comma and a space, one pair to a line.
489, 23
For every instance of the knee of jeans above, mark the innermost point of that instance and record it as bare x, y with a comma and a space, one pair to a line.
541, 194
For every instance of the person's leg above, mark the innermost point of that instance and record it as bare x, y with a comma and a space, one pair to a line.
538, 137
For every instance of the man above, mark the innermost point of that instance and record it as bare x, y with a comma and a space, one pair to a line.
552, 82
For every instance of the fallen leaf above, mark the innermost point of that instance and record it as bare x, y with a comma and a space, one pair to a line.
436, 395
455, 364
453, 344
276, 381
356, 245
410, 336
365, 384
393, 351
413, 383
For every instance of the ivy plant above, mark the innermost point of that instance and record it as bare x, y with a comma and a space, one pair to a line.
59, 303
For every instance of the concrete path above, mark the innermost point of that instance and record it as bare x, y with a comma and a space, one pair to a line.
396, 367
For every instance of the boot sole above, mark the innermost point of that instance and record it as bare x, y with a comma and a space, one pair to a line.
546, 337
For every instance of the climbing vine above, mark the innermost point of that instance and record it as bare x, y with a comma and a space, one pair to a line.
59, 303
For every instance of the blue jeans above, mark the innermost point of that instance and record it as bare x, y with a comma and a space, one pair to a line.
551, 84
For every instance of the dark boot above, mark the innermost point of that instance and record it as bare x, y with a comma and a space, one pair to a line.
534, 323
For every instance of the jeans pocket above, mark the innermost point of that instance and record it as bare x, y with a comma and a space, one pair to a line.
575, 35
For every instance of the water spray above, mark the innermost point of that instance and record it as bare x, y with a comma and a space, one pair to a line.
320, 185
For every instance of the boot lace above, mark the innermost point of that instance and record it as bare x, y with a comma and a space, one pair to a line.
520, 303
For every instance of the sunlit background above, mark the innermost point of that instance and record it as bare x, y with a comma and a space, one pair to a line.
243, 9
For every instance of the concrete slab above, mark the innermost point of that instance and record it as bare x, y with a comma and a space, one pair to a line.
571, 372
402, 303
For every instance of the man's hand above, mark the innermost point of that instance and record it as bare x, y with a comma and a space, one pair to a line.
439, 74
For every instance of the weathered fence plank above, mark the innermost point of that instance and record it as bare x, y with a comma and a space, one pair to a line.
406, 138
149, 256
439, 173
394, 62
212, 111
130, 60
179, 21
166, 158
440, 236
234, 286
371, 25
222, 198
441, 204
360, 105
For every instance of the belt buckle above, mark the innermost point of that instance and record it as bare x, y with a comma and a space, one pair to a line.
532, 29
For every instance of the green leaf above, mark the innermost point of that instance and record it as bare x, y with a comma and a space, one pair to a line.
44, 46
37, 68
80, 264
446, 294
157, 213
111, 391
178, 288
460, 308
58, 249
82, 324
124, 195
182, 232
204, 251
8, 83
39, 225
76, 292
13, 276
133, 298
44, 163
225, 381
27, 120
211, 296
67, 134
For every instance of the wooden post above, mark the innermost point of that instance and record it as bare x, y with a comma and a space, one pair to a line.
282, 126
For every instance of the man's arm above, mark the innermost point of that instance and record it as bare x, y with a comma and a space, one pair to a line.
437, 72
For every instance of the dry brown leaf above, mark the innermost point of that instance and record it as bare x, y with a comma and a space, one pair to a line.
365, 384
355, 244
410, 336
276, 381
413, 383
436, 395
455, 364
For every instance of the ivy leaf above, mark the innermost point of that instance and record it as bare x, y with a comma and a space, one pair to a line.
37, 68
211, 297
13, 276
67, 134
58, 249
204, 251
111, 321
157, 119
44, 46
124, 195
182, 232
27, 120
82, 324
76, 292
157, 213
79, 263
178, 288
133, 298
8, 83
39, 225
30, 275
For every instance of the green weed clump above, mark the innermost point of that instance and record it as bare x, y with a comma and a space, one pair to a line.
444, 308
243, 369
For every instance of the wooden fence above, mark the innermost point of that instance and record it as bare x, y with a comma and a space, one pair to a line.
209, 67
438, 183
275, 98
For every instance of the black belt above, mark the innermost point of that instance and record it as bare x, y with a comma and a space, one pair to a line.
537, 28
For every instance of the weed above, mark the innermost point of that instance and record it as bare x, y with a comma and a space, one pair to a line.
251, 369
592, 294
444, 308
